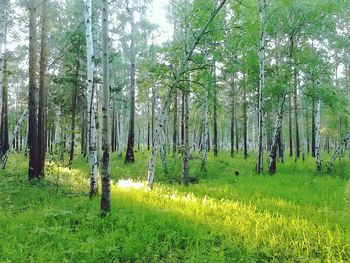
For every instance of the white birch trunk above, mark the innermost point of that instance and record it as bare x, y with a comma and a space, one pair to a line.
163, 154
276, 139
342, 144
179, 73
318, 135
91, 125
106, 135
157, 139
260, 162
13, 137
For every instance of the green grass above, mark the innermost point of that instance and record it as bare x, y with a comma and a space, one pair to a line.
294, 216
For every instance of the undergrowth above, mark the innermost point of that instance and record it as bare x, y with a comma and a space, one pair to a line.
296, 215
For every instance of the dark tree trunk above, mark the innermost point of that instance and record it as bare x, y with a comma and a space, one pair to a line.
182, 121
276, 138
245, 121
186, 150
175, 124
4, 114
113, 127
21, 139
83, 134
74, 107
290, 126
307, 132
148, 128
42, 93
129, 156
313, 134
281, 145
297, 136
72, 142
53, 139
236, 132
33, 170
232, 119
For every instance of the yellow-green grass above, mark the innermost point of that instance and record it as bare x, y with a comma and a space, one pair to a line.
294, 216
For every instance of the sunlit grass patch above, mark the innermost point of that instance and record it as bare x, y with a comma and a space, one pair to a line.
292, 216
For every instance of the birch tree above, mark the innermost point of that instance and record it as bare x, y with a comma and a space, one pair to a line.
129, 156
91, 122
260, 162
206, 131
177, 74
105, 168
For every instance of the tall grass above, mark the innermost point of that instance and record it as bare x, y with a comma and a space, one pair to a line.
296, 215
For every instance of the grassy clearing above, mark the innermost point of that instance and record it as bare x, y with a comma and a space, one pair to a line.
292, 216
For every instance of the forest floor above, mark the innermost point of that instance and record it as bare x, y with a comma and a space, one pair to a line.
295, 215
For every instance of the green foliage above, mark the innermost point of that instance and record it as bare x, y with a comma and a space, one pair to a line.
292, 216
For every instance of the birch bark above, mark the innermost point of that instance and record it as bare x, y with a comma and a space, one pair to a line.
91, 123
260, 162
105, 167
12, 138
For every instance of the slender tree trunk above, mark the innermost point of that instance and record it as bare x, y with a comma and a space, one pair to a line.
42, 91
120, 132
307, 131
153, 113
3, 41
295, 97
232, 130
105, 169
245, 120
303, 138
129, 156
175, 124
237, 136
186, 150
113, 125
33, 171
2, 62
163, 154
260, 162
206, 131
83, 134
13, 136
313, 129
74, 107
91, 125
318, 135
281, 145
182, 122
148, 128
276, 137
215, 122
157, 140
4, 142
